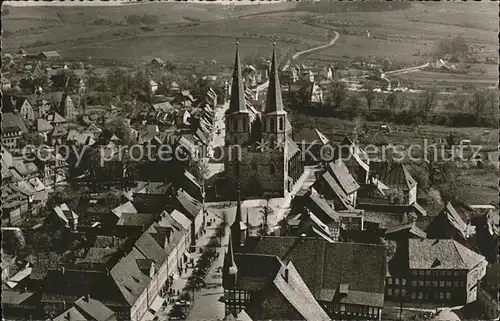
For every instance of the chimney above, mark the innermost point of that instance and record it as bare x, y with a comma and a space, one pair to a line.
87, 298
114, 240
285, 277
64, 304
107, 271
62, 270
68, 316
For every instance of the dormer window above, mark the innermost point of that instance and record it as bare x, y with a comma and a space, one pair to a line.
281, 125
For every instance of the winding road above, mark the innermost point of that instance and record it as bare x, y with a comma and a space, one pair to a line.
263, 86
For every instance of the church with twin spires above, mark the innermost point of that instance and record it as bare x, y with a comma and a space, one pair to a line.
260, 154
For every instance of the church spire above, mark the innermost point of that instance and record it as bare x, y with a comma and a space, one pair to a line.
229, 268
274, 102
237, 228
237, 101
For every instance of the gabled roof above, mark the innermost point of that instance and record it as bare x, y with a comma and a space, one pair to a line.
321, 137
298, 294
441, 254
324, 265
95, 309
394, 175
343, 176
55, 118
336, 189
127, 207
318, 204
188, 205
448, 215
43, 126
72, 314
181, 219
50, 53
13, 122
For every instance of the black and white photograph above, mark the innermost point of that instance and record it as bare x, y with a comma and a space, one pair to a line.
223, 160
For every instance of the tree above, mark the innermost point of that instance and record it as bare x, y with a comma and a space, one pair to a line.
426, 101
266, 210
369, 94
390, 247
478, 102
354, 102
392, 101
337, 94
31, 139
224, 224
459, 99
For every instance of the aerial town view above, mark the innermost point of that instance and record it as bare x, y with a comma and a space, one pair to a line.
250, 160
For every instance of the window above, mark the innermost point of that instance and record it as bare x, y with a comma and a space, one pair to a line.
281, 123
370, 310
441, 295
434, 283
441, 284
254, 166
389, 291
245, 124
342, 307
427, 283
272, 125
396, 281
448, 283
456, 284
462, 284
389, 280
413, 295
414, 272
421, 272
457, 273
428, 273
448, 296
396, 292
403, 292
420, 295
403, 281
421, 283
449, 273
413, 283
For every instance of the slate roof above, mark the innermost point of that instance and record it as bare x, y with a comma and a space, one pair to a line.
324, 265
72, 314
318, 205
95, 309
12, 122
393, 174
343, 176
441, 254
448, 215
127, 207
135, 219
298, 294
188, 205
336, 189
43, 126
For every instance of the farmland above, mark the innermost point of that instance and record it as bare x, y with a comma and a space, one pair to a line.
405, 35
180, 32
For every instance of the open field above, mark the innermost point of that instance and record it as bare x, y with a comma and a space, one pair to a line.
181, 31
401, 34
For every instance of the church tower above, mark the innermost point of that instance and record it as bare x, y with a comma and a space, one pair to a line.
238, 228
237, 117
274, 116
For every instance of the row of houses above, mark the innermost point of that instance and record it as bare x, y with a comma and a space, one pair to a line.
337, 237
